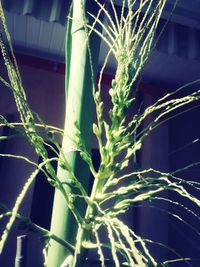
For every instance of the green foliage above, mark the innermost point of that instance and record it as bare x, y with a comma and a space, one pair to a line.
130, 39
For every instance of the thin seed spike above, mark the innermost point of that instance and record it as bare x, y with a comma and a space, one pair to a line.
177, 260
16, 124
19, 157
5, 82
104, 39
176, 217
100, 252
137, 14
115, 15
156, 123
166, 247
112, 242
177, 204
2, 16
122, 13
152, 125
103, 27
146, 250
103, 68
18, 203
153, 27
124, 248
175, 103
136, 254
96, 17
108, 16
111, 30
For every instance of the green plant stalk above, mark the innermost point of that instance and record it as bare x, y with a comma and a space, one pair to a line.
85, 230
78, 97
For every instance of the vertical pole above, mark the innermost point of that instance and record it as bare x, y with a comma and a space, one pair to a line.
20, 260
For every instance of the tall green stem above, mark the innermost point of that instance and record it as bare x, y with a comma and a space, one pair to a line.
79, 110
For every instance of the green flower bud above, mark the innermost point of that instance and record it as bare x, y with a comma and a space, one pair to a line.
111, 92
95, 129
52, 182
113, 83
